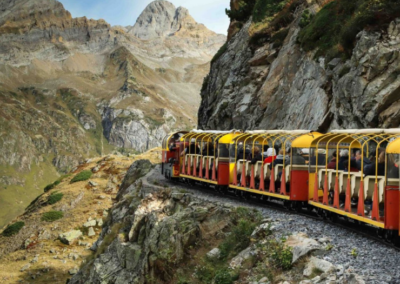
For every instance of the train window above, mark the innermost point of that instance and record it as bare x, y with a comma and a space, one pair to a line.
232, 155
223, 151
297, 156
393, 161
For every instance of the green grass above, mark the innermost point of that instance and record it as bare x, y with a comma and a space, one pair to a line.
52, 216
334, 28
54, 198
82, 176
221, 51
13, 229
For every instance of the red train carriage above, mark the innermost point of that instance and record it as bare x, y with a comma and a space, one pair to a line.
284, 179
205, 156
362, 182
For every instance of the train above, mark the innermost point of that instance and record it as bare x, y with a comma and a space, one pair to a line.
352, 174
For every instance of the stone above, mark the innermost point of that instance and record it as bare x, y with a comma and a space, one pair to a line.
305, 282
262, 231
102, 197
91, 232
91, 223
25, 267
264, 280
73, 271
71, 237
214, 253
302, 245
92, 183
320, 264
238, 260
52, 250
35, 259
100, 222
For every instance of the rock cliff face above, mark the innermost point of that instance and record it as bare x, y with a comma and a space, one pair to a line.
72, 88
270, 82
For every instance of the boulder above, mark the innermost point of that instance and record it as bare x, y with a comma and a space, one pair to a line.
302, 245
238, 260
320, 264
73, 271
214, 253
91, 232
261, 231
71, 237
91, 223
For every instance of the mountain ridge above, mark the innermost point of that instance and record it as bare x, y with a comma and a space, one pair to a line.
75, 87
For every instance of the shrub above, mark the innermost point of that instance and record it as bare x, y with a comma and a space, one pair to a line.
279, 37
49, 187
282, 257
52, 216
223, 277
267, 8
54, 198
243, 12
13, 229
244, 222
82, 176
306, 18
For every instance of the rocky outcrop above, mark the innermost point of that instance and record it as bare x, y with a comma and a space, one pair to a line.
149, 235
271, 85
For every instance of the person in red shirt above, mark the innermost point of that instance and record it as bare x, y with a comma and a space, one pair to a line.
271, 154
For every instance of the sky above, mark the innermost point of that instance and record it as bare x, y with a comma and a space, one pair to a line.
125, 12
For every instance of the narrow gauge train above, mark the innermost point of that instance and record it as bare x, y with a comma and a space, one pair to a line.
353, 173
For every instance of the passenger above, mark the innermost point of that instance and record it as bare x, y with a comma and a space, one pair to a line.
279, 159
172, 142
343, 156
297, 158
321, 158
192, 148
359, 160
257, 156
332, 163
381, 164
208, 149
271, 154
393, 167
370, 169
265, 150
353, 165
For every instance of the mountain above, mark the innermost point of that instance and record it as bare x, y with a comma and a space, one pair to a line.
72, 88
306, 65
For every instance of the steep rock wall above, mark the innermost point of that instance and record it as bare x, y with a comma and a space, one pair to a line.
284, 87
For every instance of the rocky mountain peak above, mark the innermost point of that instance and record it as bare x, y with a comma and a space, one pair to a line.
163, 19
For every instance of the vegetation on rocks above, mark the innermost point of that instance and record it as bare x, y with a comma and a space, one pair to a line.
13, 229
267, 8
82, 176
54, 198
221, 51
52, 216
243, 12
334, 28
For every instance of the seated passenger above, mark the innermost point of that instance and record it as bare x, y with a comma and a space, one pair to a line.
208, 150
257, 156
279, 160
271, 154
321, 158
370, 169
297, 158
193, 148
359, 160
332, 163
343, 156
